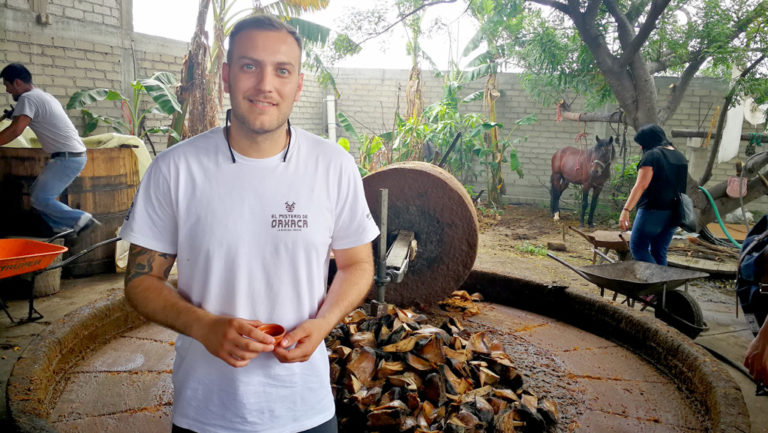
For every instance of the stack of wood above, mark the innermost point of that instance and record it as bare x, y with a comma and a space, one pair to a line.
700, 249
396, 373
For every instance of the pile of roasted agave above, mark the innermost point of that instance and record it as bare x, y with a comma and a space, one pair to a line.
396, 373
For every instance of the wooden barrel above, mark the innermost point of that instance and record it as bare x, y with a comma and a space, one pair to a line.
105, 188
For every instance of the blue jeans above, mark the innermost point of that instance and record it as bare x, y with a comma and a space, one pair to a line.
57, 175
651, 234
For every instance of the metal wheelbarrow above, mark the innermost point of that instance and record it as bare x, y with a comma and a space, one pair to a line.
652, 285
30, 258
607, 240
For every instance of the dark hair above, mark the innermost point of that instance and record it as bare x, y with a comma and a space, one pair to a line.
650, 136
261, 22
16, 71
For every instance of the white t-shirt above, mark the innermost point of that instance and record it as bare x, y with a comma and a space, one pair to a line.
49, 122
252, 240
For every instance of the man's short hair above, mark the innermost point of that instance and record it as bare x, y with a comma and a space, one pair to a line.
265, 23
16, 71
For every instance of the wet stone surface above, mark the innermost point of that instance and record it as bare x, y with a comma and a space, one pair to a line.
598, 386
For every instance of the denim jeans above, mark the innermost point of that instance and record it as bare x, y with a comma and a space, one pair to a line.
57, 175
651, 234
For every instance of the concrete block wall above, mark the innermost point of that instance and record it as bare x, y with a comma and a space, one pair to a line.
72, 45
83, 44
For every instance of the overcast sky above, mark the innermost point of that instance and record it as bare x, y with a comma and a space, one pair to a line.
152, 17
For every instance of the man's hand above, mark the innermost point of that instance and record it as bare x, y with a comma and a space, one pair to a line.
307, 336
756, 360
234, 341
7, 113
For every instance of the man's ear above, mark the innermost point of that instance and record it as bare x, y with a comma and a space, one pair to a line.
225, 76
300, 87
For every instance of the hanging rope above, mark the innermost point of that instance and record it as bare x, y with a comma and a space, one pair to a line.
581, 138
711, 127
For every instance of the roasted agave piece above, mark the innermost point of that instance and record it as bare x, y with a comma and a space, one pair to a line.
388, 368
404, 345
431, 349
356, 316
454, 385
392, 413
361, 367
434, 389
460, 302
408, 316
437, 332
465, 422
365, 398
408, 380
548, 411
363, 339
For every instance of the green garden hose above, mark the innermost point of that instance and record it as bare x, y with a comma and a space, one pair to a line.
719, 220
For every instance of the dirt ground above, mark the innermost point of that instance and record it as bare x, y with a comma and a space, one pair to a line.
516, 240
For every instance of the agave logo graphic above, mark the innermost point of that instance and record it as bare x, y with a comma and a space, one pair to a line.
290, 221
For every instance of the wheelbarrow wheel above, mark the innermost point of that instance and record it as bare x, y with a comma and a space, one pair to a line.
682, 312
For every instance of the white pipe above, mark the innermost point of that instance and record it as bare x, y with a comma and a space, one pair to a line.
330, 102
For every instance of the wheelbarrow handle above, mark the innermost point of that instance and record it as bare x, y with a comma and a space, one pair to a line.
571, 267
603, 255
80, 254
60, 235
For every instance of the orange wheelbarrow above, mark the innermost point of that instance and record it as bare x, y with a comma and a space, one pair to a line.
26, 256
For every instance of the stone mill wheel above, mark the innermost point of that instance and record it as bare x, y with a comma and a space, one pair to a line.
433, 204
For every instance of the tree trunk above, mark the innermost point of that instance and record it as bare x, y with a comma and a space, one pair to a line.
496, 187
193, 79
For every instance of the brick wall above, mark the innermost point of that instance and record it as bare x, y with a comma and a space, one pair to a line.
84, 44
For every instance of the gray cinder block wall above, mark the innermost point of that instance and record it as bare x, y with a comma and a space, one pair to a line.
70, 45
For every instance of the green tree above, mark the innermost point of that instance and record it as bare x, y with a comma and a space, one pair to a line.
202, 67
611, 50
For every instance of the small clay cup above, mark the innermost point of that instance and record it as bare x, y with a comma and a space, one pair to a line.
276, 331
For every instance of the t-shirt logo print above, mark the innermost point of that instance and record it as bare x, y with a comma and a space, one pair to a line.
290, 221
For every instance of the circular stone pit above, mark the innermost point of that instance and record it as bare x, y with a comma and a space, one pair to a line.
38, 380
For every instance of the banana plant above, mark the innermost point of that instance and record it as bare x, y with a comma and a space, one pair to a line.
162, 100
496, 20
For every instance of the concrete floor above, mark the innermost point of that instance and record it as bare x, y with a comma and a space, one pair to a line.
727, 336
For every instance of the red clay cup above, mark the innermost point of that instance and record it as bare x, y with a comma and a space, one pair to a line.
276, 331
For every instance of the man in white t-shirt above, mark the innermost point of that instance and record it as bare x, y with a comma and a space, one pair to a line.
58, 137
250, 213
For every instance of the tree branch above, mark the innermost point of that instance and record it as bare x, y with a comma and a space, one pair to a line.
635, 10
657, 8
623, 26
593, 7
562, 7
721, 121
679, 88
402, 18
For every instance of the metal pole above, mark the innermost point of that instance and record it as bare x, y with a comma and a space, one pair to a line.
381, 271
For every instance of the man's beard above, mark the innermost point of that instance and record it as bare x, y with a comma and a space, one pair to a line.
244, 121
16, 97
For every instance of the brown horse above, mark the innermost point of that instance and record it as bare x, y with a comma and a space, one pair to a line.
589, 168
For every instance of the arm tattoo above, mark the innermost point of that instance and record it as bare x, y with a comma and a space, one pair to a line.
141, 261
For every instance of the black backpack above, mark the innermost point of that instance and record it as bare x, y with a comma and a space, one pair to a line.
752, 275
